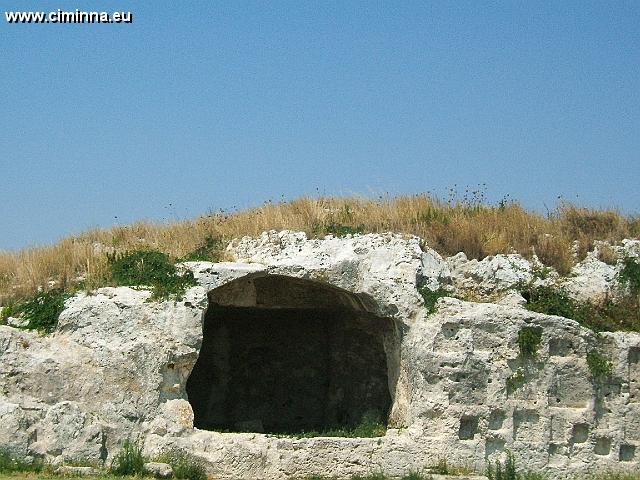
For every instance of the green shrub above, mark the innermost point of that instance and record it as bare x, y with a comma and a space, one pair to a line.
43, 310
630, 275
432, 215
431, 297
209, 250
529, 339
556, 301
149, 268
6, 312
11, 464
623, 313
129, 461
599, 367
185, 466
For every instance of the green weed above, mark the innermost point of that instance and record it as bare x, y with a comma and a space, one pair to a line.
5, 313
531, 476
338, 230
43, 310
431, 215
555, 301
630, 275
613, 315
529, 339
185, 466
415, 476
614, 476
507, 470
502, 471
210, 250
599, 367
370, 476
370, 426
431, 297
129, 461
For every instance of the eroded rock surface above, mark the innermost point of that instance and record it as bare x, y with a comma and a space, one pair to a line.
117, 366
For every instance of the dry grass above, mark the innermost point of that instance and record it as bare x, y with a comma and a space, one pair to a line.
449, 227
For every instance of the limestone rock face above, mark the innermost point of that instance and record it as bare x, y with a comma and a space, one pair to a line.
458, 387
114, 360
386, 267
158, 469
495, 274
592, 280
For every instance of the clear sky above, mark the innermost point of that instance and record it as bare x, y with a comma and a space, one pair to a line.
201, 105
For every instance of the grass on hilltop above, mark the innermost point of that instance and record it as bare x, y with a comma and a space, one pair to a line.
469, 225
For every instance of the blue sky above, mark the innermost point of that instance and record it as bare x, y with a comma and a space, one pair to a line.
204, 105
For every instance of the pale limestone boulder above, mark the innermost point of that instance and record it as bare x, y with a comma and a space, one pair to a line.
111, 364
17, 322
495, 274
72, 471
629, 248
591, 280
512, 298
15, 428
158, 469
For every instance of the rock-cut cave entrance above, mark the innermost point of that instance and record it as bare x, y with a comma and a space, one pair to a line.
283, 355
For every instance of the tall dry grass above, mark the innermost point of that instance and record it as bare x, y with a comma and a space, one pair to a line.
472, 227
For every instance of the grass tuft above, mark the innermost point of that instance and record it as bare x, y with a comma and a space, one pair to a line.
129, 461
184, 465
443, 467
370, 426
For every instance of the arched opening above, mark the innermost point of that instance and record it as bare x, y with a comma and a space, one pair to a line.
283, 355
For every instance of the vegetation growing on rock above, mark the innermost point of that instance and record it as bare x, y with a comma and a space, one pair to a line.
431, 297
529, 339
599, 367
150, 268
42, 311
621, 313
